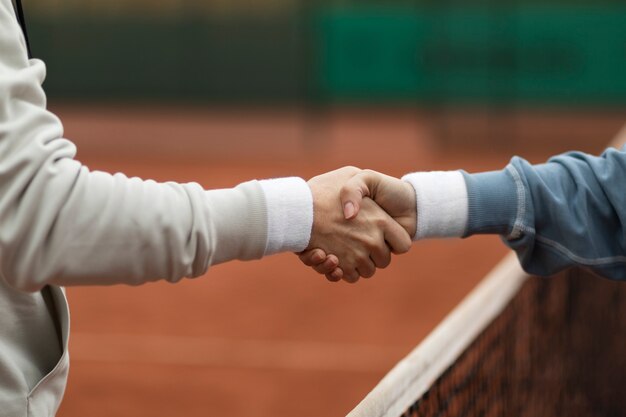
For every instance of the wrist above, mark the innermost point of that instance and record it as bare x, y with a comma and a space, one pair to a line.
409, 221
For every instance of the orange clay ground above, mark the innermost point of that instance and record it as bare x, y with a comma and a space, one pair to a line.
272, 338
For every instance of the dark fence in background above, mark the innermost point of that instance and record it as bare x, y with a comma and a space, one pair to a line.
186, 59
425, 53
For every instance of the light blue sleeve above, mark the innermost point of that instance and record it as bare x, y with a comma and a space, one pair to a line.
568, 211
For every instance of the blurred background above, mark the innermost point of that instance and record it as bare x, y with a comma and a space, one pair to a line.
222, 91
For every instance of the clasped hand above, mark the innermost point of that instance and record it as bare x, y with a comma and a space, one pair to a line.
360, 218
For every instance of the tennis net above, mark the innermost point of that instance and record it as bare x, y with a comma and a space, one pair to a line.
517, 346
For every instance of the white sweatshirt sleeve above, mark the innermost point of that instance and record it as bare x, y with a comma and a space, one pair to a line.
62, 224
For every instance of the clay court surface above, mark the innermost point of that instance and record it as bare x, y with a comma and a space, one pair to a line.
271, 338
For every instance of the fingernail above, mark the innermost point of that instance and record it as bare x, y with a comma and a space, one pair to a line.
317, 257
348, 210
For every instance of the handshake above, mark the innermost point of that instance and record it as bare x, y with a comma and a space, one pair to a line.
361, 217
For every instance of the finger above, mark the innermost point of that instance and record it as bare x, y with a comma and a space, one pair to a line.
381, 256
328, 265
397, 238
366, 268
312, 257
335, 275
353, 191
350, 276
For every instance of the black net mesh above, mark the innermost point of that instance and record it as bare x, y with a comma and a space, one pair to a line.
558, 349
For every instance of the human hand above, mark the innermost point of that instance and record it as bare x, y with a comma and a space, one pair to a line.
359, 244
395, 196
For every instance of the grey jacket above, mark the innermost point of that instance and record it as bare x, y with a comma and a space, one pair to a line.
568, 211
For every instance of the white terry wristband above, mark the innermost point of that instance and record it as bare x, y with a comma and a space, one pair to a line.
442, 203
289, 214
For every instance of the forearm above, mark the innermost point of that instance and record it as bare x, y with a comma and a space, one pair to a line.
569, 211
573, 213
62, 224
84, 228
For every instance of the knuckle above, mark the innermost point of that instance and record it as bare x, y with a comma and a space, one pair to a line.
372, 244
362, 259
351, 278
384, 263
381, 221
332, 278
345, 190
350, 169
368, 273
366, 268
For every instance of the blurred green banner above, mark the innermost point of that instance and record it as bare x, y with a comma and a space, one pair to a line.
557, 54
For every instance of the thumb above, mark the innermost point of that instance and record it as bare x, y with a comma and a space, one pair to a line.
354, 190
